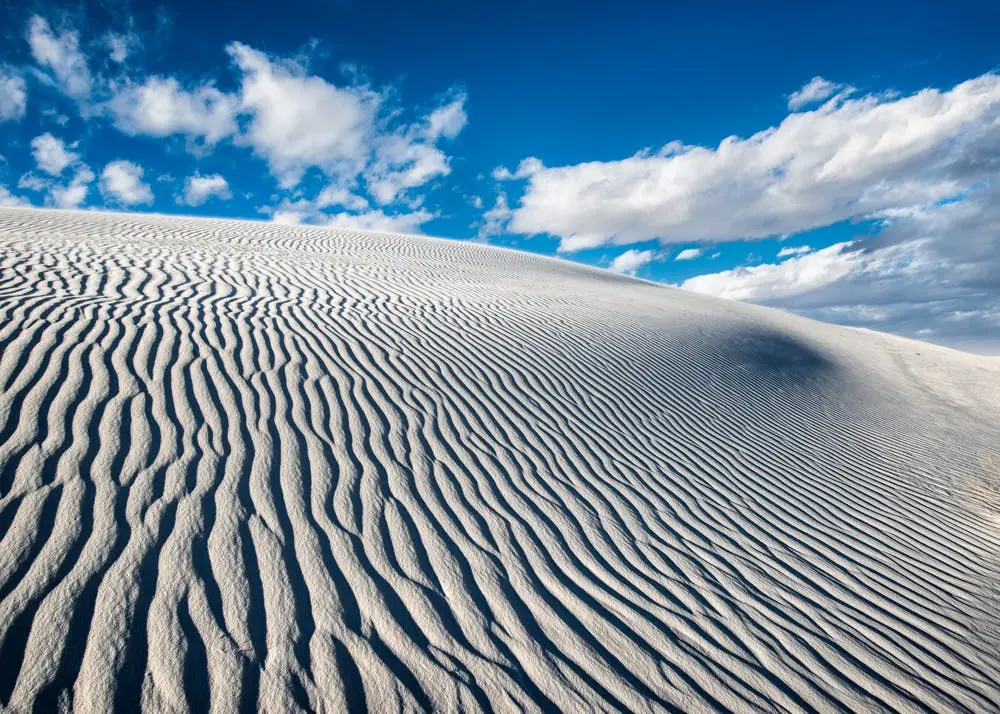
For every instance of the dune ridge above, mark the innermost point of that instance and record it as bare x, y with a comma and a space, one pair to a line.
246, 466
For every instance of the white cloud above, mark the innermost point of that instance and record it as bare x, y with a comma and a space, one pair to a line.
689, 254
198, 189
527, 167
121, 45
402, 163
61, 55
793, 250
631, 260
447, 121
850, 158
496, 219
334, 195
815, 90
761, 283
933, 272
160, 107
13, 96
378, 221
51, 155
408, 157
295, 121
300, 121
61, 195
9, 200
302, 211
33, 182
73, 194
288, 218
122, 182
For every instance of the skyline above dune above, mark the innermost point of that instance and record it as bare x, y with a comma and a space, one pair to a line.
798, 158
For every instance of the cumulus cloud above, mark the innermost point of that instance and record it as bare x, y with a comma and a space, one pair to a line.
51, 155
294, 120
495, 219
527, 167
61, 55
73, 194
631, 260
689, 254
67, 194
933, 272
160, 106
302, 211
378, 220
122, 181
815, 90
408, 157
33, 182
288, 217
769, 281
448, 120
793, 250
9, 200
13, 95
335, 195
850, 158
198, 189
298, 121
400, 164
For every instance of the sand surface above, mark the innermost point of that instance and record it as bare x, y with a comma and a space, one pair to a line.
256, 467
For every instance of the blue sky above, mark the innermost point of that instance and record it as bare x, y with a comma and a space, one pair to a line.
838, 161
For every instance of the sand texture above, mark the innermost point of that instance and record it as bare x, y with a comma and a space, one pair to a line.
253, 467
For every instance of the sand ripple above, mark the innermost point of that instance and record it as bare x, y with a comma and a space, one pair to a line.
247, 466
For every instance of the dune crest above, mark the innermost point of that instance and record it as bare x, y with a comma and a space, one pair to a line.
246, 466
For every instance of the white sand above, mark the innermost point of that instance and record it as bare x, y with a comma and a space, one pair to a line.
254, 466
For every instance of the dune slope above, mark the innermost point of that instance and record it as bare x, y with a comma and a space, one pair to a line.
246, 466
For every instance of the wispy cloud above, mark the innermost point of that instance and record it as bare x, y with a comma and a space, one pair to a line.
495, 219
378, 220
815, 90
13, 95
527, 167
793, 250
60, 54
689, 254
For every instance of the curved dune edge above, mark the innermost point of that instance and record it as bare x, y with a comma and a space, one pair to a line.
246, 466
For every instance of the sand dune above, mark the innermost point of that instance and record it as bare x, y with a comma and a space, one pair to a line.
246, 466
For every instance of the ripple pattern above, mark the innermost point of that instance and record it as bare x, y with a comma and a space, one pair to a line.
254, 467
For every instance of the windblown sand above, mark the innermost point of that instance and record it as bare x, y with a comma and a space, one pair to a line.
246, 466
